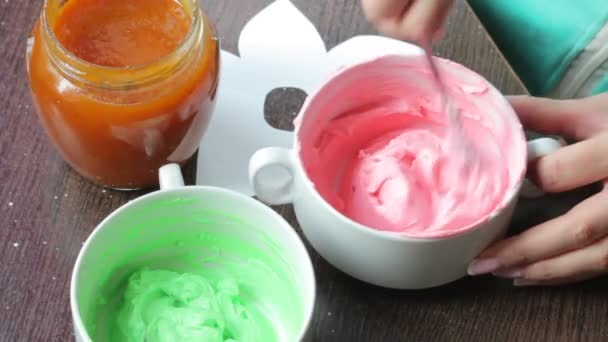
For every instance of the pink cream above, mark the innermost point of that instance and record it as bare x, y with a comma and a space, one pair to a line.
377, 146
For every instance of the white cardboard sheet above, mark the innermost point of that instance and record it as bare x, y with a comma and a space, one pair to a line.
279, 47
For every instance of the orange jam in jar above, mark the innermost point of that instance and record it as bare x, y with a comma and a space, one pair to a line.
123, 87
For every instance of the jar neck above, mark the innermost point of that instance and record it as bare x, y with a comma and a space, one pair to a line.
80, 71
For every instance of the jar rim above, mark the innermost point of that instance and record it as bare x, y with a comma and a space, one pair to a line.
78, 68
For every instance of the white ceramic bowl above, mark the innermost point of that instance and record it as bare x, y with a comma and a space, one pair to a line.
385, 259
159, 229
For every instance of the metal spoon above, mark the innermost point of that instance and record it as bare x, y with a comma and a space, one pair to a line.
457, 135
447, 102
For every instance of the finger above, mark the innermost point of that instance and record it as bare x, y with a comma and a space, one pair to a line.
439, 34
423, 19
379, 11
580, 227
555, 282
417, 21
577, 265
573, 166
578, 119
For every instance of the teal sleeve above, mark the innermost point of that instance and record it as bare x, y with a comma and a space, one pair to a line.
541, 38
602, 86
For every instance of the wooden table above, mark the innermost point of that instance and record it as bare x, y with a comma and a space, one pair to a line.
47, 211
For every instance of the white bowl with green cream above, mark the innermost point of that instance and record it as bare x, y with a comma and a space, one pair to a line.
192, 264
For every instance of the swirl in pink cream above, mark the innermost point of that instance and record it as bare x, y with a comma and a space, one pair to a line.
378, 147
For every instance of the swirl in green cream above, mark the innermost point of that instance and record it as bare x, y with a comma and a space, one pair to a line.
163, 306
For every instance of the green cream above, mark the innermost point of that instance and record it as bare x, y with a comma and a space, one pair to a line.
179, 270
163, 305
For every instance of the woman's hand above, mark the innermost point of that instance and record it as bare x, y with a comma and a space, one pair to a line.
572, 247
413, 20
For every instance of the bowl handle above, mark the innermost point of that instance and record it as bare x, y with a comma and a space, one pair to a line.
170, 177
272, 194
536, 149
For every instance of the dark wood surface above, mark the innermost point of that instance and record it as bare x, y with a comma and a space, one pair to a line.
47, 211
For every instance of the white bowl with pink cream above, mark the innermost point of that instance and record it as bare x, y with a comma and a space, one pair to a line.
386, 187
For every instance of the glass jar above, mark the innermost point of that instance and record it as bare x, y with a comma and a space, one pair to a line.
117, 125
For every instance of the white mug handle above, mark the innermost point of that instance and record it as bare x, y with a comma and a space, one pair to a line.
170, 177
536, 149
268, 157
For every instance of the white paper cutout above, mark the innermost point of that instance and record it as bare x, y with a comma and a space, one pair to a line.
279, 47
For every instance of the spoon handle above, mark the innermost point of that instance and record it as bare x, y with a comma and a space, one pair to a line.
457, 136
447, 105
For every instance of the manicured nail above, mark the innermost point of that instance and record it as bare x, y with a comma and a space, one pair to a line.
510, 273
524, 282
483, 266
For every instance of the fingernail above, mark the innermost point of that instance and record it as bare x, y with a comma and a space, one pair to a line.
524, 282
483, 266
510, 273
